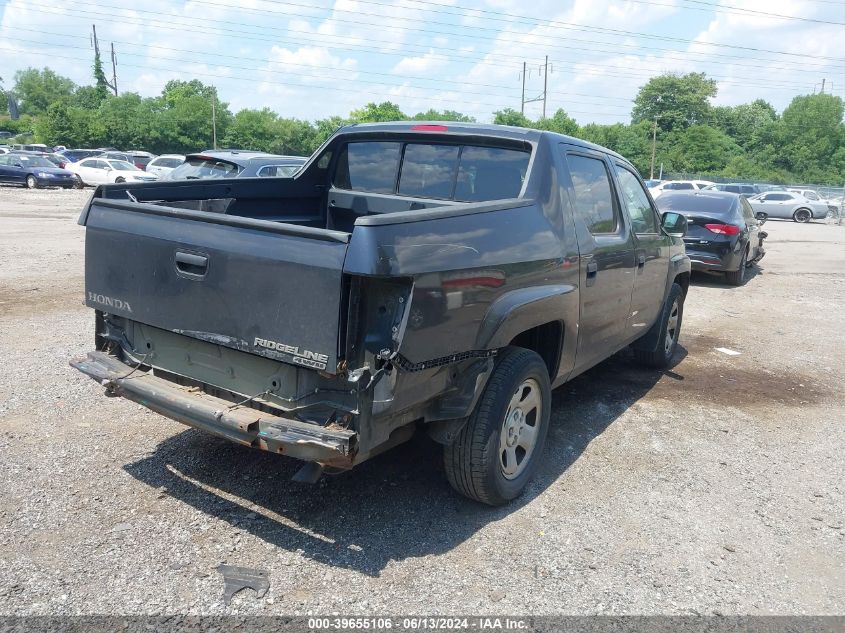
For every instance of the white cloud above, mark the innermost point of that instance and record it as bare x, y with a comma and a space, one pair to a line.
427, 63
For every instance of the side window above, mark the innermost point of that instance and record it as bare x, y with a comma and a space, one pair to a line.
594, 202
747, 211
490, 173
368, 166
643, 219
428, 171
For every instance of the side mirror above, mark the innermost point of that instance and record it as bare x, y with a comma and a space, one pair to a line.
762, 216
675, 224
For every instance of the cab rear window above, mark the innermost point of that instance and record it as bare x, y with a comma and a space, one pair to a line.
210, 168
465, 173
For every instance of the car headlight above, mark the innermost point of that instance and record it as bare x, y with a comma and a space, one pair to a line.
43, 174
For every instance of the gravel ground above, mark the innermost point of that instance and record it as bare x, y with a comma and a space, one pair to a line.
716, 487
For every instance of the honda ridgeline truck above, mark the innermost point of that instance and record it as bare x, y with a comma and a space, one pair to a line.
410, 276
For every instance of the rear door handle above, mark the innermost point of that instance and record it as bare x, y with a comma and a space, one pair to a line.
191, 265
592, 271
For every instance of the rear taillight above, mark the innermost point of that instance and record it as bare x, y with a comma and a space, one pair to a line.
723, 229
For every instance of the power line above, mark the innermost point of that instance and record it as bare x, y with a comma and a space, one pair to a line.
380, 25
108, 17
333, 87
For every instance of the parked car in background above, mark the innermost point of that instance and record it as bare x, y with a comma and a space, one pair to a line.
235, 164
678, 185
76, 155
814, 196
31, 147
101, 171
162, 165
723, 234
34, 171
741, 188
57, 159
787, 205
4, 149
137, 158
653, 182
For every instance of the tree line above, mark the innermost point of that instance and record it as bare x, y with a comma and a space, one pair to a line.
804, 143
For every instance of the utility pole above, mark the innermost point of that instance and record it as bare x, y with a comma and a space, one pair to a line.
823, 80
653, 147
545, 84
113, 70
545, 70
214, 119
112, 85
522, 104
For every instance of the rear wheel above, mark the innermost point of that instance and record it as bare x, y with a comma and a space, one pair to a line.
668, 330
31, 182
497, 452
737, 277
802, 215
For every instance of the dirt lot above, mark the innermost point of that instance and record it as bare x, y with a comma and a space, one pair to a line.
718, 487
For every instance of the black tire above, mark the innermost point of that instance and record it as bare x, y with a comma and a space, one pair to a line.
31, 182
802, 215
78, 184
474, 461
668, 325
737, 277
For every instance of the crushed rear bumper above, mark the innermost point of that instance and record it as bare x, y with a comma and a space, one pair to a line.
310, 442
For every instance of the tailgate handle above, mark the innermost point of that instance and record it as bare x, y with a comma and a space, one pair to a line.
191, 265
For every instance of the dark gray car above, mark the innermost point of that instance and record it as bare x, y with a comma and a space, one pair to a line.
215, 164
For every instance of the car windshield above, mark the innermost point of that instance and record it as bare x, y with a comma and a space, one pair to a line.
204, 167
122, 166
32, 161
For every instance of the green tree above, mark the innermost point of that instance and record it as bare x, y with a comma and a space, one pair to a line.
809, 134
37, 89
443, 115
324, 128
377, 113
560, 122
676, 101
631, 141
69, 125
101, 84
293, 137
252, 129
185, 108
748, 124
509, 116
699, 148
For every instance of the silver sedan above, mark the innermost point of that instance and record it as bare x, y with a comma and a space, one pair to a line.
788, 205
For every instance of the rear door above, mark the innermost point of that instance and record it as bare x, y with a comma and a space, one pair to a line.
257, 286
652, 252
607, 256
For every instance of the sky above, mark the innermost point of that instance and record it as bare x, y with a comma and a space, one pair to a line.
311, 60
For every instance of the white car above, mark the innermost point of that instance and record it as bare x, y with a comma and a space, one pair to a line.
814, 196
679, 185
164, 164
101, 171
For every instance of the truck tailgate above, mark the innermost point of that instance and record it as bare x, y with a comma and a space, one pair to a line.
263, 287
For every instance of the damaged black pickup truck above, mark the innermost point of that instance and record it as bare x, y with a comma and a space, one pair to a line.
410, 276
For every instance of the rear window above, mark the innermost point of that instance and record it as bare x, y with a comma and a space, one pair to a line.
204, 168
142, 160
466, 173
278, 171
368, 167
699, 204
168, 162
